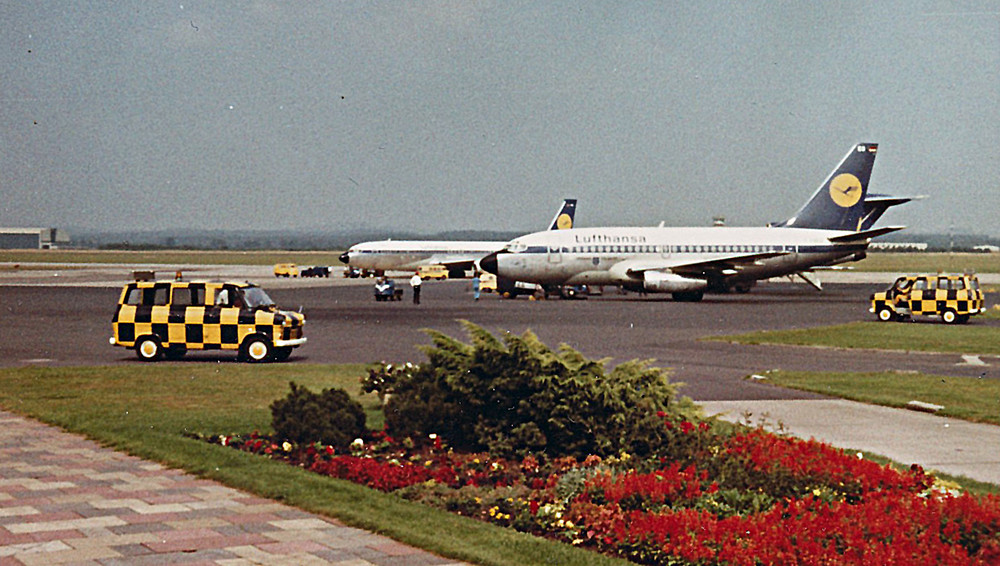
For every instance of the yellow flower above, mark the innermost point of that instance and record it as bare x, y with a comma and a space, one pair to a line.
286, 446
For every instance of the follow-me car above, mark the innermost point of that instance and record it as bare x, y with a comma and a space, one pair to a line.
952, 296
168, 318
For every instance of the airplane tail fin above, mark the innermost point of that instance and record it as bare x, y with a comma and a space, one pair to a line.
839, 203
563, 219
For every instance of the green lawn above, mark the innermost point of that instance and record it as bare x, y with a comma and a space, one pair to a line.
929, 262
172, 257
146, 410
880, 262
969, 338
965, 398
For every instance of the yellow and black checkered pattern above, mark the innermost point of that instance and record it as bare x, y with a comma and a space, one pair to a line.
957, 293
936, 301
203, 326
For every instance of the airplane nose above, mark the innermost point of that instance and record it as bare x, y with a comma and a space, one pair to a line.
345, 257
489, 263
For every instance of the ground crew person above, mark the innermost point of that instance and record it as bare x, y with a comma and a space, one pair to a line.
415, 283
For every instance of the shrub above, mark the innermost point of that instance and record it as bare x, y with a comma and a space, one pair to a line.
330, 417
516, 395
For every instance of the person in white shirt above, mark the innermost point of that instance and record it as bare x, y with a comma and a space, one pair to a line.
415, 283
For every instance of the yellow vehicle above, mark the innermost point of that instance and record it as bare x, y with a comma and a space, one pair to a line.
432, 272
952, 297
168, 318
488, 283
286, 270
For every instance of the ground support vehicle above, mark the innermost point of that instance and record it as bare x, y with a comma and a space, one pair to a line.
167, 318
315, 271
432, 272
385, 290
952, 297
286, 270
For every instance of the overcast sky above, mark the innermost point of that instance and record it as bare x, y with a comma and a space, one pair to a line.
432, 116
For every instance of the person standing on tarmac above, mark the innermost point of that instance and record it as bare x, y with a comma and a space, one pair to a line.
415, 283
475, 285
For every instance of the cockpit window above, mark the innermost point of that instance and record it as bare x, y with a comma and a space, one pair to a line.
516, 247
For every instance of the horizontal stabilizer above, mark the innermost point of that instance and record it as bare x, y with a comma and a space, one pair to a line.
864, 234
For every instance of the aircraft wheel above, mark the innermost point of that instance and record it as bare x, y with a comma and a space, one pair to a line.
949, 317
256, 349
148, 349
885, 314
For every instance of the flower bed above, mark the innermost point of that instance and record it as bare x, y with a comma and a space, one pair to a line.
744, 498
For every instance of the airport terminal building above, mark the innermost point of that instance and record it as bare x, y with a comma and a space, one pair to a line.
32, 238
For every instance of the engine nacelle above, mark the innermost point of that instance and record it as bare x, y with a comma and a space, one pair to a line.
660, 282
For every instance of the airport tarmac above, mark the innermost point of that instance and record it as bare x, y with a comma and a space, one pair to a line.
61, 316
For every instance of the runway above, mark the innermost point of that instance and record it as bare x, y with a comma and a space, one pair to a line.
70, 325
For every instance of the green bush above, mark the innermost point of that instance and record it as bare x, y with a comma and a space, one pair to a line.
330, 417
516, 395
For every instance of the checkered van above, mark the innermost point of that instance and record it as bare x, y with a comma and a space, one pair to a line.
167, 318
952, 297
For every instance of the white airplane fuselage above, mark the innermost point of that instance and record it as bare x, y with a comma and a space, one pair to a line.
671, 256
410, 254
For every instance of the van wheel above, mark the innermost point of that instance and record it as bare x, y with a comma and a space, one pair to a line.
949, 317
885, 314
148, 349
256, 349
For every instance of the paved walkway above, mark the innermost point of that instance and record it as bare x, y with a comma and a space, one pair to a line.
66, 500
938, 443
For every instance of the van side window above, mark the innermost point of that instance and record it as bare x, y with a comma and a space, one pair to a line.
920, 284
162, 293
944, 283
958, 284
192, 295
134, 296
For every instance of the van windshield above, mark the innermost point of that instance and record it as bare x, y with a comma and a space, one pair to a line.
256, 297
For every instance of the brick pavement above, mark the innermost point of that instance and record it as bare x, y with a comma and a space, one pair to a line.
66, 500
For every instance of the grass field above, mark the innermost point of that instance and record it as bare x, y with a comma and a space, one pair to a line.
172, 257
912, 337
971, 399
146, 410
878, 262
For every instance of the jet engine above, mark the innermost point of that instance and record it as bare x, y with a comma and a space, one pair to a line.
660, 282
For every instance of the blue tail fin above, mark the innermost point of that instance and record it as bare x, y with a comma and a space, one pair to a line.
563, 219
839, 203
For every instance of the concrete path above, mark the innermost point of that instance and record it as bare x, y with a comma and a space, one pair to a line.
67, 500
937, 443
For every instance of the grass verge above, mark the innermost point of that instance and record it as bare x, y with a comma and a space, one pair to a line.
910, 337
145, 410
172, 257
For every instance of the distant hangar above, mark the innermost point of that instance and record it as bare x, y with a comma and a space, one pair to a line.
32, 238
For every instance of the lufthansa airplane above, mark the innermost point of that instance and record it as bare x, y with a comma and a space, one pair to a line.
833, 227
457, 256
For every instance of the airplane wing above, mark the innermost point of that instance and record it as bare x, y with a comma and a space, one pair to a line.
722, 266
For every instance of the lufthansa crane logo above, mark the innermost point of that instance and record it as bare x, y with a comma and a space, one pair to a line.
845, 190
564, 222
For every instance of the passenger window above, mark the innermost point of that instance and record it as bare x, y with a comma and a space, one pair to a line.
920, 285
161, 294
943, 283
958, 284
134, 296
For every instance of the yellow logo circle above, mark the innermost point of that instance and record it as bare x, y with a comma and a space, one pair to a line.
564, 222
845, 190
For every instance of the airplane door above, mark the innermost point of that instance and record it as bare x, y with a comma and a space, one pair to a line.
555, 254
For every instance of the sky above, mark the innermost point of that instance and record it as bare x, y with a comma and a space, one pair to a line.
434, 116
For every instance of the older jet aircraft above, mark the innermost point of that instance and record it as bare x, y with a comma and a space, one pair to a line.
457, 256
833, 227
